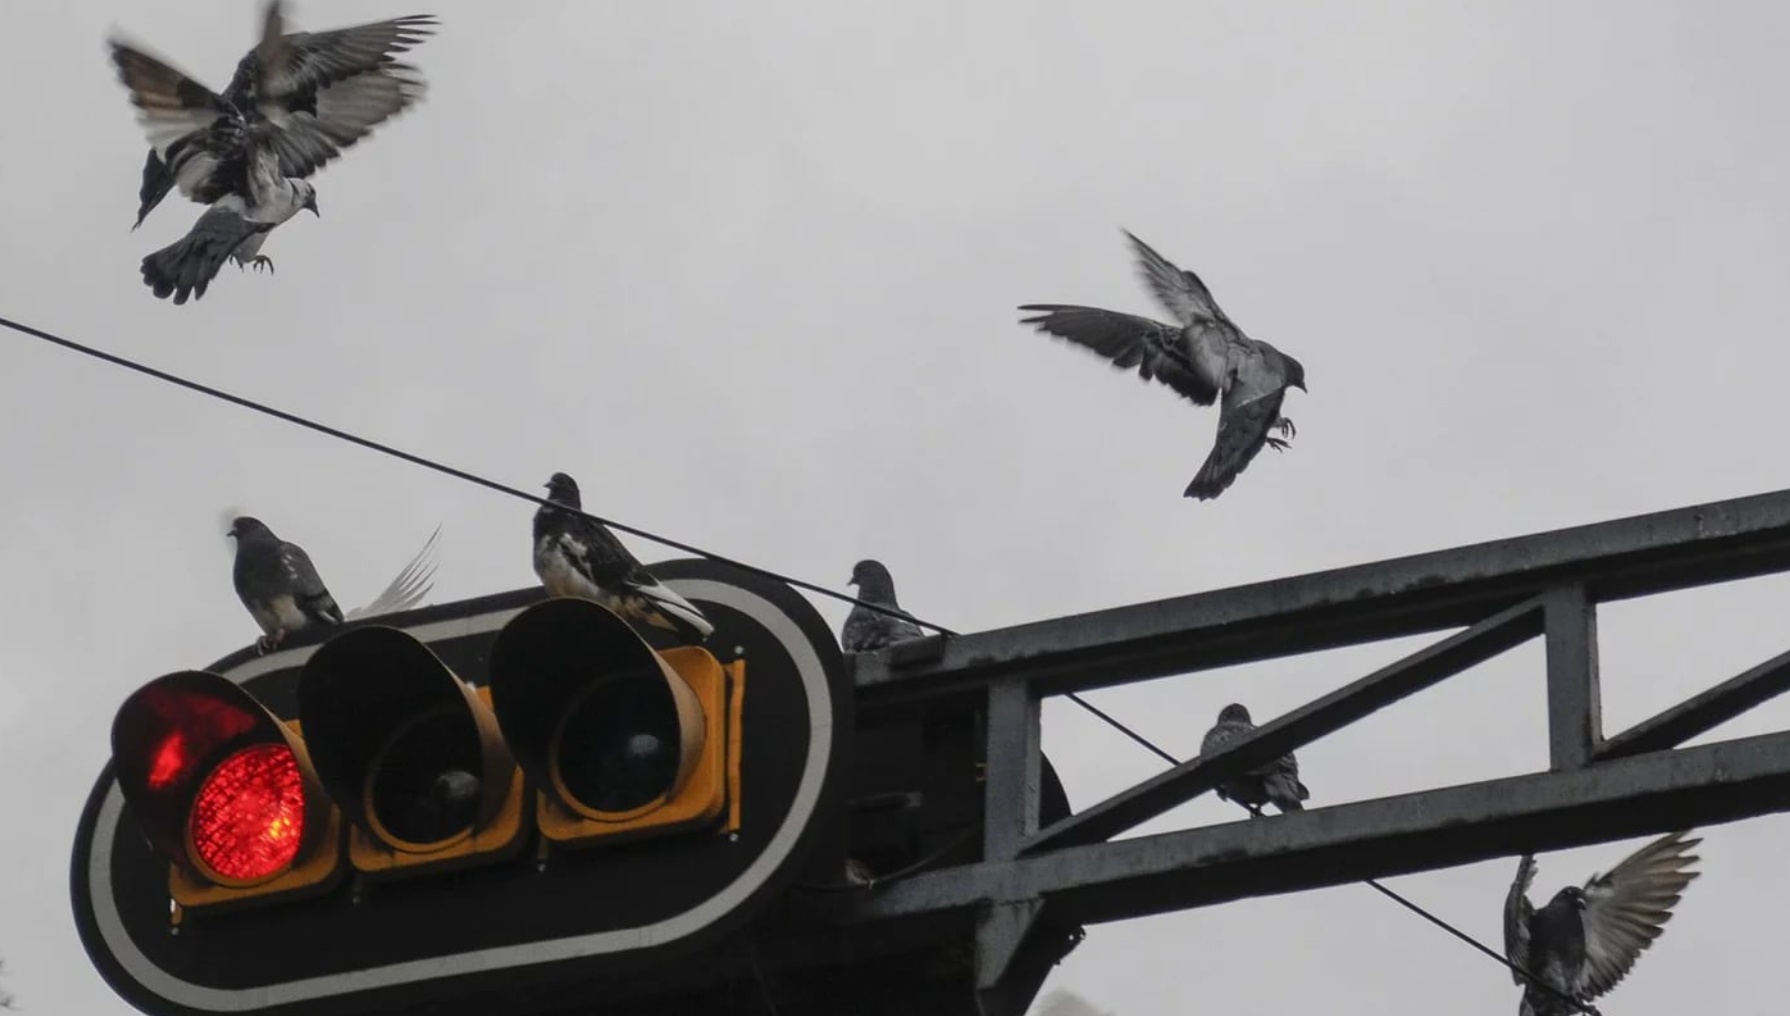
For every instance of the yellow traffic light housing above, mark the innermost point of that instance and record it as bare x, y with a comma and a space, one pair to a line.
624, 742
225, 791
413, 754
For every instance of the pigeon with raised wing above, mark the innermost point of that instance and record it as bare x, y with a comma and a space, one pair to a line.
314, 93
1275, 782
296, 101
283, 592
1588, 937
867, 630
1202, 355
578, 556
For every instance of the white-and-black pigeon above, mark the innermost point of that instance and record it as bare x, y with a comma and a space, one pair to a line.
576, 556
1203, 356
1588, 937
296, 99
283, 592
866, 630
1275, 782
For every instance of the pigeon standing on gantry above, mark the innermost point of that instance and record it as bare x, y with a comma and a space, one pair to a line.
1275, 783
283, 592
578, 556
1203, 356
295, 102
1588, 937
868, 630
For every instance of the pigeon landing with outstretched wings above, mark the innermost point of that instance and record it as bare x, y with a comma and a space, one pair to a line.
866, 630
576, 556
283, 592
1275, 783
1203, 356
1588, 937
312, 93
295, 103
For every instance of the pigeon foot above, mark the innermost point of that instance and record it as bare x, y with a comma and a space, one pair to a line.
261, 261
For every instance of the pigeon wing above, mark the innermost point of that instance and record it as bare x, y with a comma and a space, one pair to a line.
307, 586
341, 114
1625, 910
1243, 425
1180, 292
301, 62
409, 588
1517, 912
170, 105
1155, 349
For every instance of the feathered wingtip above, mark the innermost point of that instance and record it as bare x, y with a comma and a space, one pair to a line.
409, 588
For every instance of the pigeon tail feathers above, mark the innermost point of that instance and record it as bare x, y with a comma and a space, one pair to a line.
659, 595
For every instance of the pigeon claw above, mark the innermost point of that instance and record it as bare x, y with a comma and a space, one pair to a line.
1285, 426
268, 643
1277, 444
261, 261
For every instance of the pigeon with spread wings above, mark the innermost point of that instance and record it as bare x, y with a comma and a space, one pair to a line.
1203, 356
578, 556
283, 592
1588, 937
295, 102
313, 94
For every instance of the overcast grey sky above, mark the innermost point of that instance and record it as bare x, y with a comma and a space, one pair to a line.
748, 271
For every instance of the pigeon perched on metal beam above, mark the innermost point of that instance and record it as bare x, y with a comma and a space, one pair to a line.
1203, 356
866, 630
576, 556
1587, 938
1275, 783
315, 94
283, 592
296, 101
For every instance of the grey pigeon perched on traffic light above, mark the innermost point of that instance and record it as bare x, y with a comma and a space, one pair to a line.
867, 630
578, 556
1588, 937
283, 592
296, 101
1202, 355
1275, 783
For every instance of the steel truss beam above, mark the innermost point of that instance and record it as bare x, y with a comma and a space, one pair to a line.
1501, 593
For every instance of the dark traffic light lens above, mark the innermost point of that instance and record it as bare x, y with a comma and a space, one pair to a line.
423, 786
618, 747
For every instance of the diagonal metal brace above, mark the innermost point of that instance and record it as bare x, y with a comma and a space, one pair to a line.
1427, 666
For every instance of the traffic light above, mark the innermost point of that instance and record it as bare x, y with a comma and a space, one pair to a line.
225, 792
435, 745
411, 753
623, 741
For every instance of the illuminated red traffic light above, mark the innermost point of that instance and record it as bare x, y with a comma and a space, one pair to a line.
225, 791
248, 817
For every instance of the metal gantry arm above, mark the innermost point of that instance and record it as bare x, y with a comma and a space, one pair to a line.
1501, 594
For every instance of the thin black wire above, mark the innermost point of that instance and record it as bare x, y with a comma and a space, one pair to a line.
473, 478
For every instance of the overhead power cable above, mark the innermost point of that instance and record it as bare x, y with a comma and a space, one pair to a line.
489, 484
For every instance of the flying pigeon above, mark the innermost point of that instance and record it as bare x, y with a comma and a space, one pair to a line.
281, 588
295, 102
1275, 783
1203, 355
1585, 940
866, 630
576, 556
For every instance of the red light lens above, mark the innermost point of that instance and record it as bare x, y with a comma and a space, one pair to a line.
249, 816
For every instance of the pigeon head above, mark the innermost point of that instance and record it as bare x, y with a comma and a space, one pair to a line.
310, 196
245, 527
1295, 373
869, 572
1572, 896
1234, 713
564, 489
